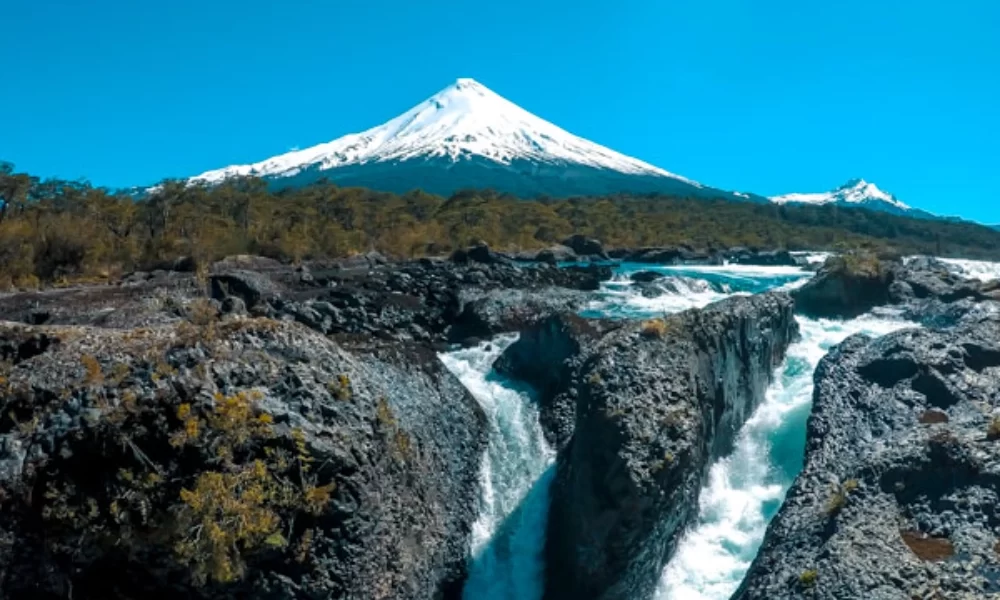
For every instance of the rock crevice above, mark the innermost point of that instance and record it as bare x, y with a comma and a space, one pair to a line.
638, 412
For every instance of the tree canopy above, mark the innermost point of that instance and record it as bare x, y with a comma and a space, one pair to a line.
56, 230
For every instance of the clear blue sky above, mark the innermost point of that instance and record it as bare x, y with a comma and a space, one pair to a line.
769, 96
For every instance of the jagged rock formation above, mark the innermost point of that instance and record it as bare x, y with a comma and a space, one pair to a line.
328, 365
425, 301
898, 498
235, 458
850, 285
638, 412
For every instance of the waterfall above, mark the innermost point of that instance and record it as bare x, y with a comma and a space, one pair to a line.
508, 539
745, 489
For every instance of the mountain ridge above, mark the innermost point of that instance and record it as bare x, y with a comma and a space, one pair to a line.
856, 193
466, 135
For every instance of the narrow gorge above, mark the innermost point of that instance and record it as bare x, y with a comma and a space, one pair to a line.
483, 428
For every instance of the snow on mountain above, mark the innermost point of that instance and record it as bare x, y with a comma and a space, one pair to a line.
855, 191
463, 122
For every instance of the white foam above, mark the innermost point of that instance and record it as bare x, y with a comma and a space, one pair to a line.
508, 538
714, 555
975, 269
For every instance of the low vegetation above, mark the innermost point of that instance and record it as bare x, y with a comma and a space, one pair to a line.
993, 429
808, 578
653, 328
838, 499
175, 478
54, 232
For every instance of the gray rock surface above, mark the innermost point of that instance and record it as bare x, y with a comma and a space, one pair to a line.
396, 435
850, 285
638, 412
900, 491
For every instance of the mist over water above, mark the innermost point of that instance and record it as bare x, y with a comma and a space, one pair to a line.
743, 492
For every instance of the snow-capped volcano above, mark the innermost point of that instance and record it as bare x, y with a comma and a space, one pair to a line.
856, 192
468, 136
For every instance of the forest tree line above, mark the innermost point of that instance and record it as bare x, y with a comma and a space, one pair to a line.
55, 231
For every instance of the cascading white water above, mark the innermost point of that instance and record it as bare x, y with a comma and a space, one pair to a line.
745, 490
508, 539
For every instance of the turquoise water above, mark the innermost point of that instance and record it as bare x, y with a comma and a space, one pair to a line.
745, 489
743, 492
508, 538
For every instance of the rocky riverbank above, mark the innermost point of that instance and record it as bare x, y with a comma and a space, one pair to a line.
231, 458
260, 431
639, 411
923, 290
898, 498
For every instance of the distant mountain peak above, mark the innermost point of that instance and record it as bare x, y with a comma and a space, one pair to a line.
464, 121
855, 192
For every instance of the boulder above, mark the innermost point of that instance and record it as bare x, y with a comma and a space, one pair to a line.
556, 254
250, 286
584, 246
480, 253
322, 472
766, 258
849, 285
500, 311
846, 286
898, 495
646, 276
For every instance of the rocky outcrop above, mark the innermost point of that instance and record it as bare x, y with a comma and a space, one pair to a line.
646, 276
498, 311
414, 301
666, 255
765, 258
899, 494
638, 412
846, 286
549, 356
583, 246
235, 458
853, 284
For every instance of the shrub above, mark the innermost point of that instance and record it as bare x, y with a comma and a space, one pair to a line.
993, 429
227, 514
653, 328
838, 499
808, 578
341, 388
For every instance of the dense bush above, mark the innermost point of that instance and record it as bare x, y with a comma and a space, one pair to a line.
55, 230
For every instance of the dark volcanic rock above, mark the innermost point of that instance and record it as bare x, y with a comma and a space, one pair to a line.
850, 285
548, 357
584, 246
646, 276
767, 258
363, 295
480, 253
556, 254
899, 494
846, 286
92, 499
249, 286
501, 311
639, 411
